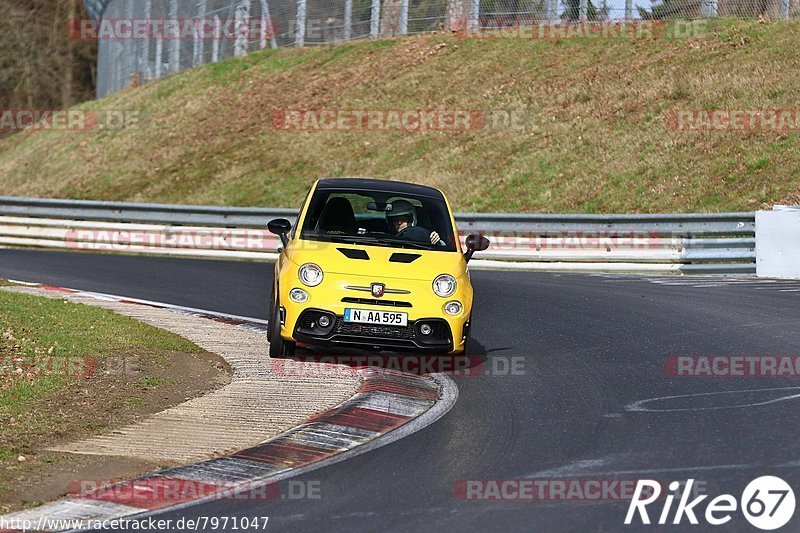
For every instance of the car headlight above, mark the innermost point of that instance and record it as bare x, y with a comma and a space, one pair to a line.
453, 308
444, 285
310, 274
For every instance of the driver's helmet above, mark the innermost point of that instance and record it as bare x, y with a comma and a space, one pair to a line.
402, 208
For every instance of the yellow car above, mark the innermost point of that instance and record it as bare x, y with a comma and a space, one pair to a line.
374, 265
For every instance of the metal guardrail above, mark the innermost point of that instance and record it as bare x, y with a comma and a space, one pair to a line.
226, 217
684, 243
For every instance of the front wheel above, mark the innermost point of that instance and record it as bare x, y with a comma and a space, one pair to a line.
278, 347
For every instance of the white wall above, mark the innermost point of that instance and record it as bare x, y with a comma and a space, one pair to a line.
778, 242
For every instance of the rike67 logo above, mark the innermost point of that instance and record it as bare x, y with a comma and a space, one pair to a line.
767, 503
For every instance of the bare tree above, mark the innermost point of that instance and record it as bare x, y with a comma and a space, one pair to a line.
41, 65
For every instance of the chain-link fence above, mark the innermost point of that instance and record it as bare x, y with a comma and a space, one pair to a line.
142, 40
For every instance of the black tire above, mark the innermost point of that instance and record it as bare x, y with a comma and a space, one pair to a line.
278, 347
270, 312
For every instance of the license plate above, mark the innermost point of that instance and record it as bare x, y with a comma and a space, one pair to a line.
365, 316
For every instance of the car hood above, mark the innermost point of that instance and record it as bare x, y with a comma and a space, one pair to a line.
386, 262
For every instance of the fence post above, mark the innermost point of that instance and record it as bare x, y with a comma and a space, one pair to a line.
403, 17
300, 24
583, 10
785, 9
269, 27
552, 11
217, 37
391, 18
199, 38
348, 20
159, 53
148, 73
474, 15
175, 45
628, 9
708, 8
375, 18
456, 16
242, 17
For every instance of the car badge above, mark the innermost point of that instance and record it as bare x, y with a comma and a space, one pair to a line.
377, 289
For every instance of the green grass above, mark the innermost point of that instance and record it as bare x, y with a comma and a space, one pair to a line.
596, 141
54, 342
149, 382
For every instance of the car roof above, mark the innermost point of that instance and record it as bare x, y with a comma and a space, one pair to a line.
366, 184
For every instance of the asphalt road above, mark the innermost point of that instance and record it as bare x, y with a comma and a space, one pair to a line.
589, 346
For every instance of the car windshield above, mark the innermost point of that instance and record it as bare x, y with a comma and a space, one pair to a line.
379, 218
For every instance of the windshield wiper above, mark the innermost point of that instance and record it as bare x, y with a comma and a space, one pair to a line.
355, 239
413, 244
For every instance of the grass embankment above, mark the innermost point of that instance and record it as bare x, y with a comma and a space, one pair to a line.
68, 371
599, 142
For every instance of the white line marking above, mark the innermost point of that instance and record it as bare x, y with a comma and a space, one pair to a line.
638, 406
570, 471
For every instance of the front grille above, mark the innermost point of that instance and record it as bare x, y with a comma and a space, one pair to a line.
307, 320
369, 301
439, 329
373, 330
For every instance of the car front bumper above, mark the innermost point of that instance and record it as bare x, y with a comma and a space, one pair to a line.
338, 333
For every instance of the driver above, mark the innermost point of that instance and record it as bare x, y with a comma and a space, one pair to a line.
403, 222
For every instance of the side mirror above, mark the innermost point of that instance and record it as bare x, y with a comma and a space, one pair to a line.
475, 243
280, 227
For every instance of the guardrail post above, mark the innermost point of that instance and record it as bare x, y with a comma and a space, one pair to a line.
375, 19
300, 24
